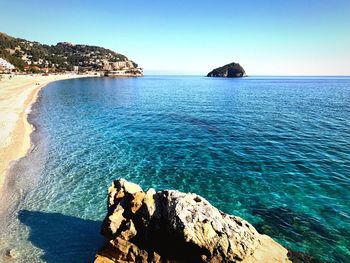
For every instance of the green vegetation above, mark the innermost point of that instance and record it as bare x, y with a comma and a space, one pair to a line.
33, 56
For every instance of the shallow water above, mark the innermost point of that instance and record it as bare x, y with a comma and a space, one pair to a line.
275, 151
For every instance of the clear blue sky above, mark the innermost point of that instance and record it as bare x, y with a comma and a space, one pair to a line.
267, 37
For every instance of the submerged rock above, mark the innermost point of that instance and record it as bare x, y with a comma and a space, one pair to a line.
232, 70
11, 254
171, 226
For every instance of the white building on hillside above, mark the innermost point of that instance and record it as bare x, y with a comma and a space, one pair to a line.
6, 66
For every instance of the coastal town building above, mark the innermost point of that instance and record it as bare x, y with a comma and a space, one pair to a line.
6, 66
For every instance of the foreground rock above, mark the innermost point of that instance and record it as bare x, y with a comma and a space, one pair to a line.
170, 226
233, 70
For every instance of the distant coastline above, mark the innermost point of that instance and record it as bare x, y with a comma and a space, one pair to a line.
20, 55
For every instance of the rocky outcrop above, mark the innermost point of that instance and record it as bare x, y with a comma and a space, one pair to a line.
171, 226
232, 70
125, 68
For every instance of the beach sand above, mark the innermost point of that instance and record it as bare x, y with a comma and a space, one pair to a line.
16, 97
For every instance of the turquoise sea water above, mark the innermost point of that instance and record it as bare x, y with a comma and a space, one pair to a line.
275, 151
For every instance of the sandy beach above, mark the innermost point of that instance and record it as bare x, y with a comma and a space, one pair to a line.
17, 94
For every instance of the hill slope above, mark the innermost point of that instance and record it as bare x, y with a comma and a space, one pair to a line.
24, 55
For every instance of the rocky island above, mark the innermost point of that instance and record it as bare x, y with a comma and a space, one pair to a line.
171, 226
232, 70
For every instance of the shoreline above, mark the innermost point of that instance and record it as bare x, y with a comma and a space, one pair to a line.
17, 96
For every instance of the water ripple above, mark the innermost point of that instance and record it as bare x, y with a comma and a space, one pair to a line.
273, 151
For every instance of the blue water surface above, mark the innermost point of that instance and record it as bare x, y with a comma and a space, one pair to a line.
275, 151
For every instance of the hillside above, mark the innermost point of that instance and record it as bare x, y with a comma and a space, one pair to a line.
33, 56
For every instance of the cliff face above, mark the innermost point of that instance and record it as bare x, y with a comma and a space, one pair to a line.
123, 68
170, 226
233, 70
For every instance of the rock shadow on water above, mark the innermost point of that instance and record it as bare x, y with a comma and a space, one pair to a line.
63, 238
